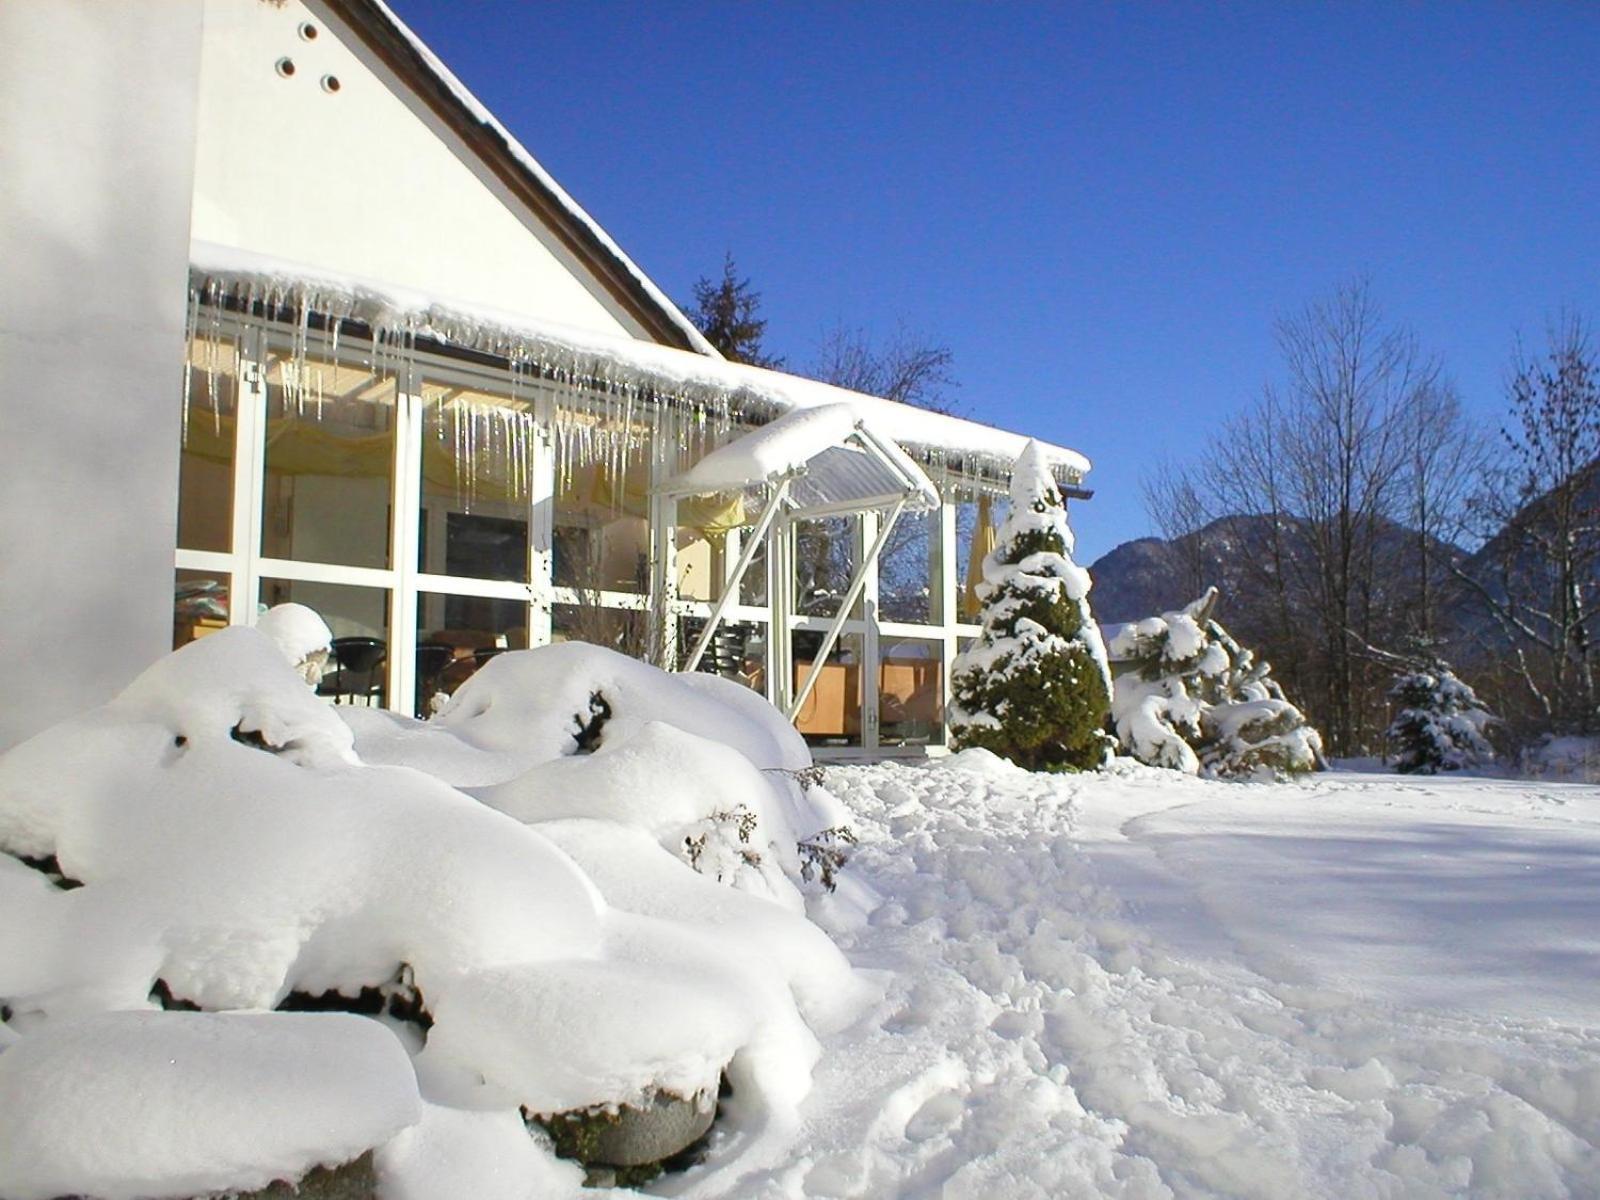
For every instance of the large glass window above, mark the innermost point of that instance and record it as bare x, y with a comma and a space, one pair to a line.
477, 483
329, 461
910, 691
737, 650
624, 630
358, 618
200, 605
458, 634
206, 455
825, 557
909, 584
831, 714
977, 522
602, 502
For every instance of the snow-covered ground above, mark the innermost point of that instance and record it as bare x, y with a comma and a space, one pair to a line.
1143, 984
586, 883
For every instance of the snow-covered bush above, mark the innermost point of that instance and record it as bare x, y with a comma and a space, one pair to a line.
210, 839
1187, 696
1034, 687
302, 635
1438, 724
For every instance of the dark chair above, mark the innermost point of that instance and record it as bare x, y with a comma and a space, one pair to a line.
484, 653
433, 658
357, 668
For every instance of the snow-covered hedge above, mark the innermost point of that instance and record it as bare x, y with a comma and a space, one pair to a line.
218, 838
1187, 696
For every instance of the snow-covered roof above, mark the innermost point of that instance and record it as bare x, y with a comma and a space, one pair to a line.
225, 274
413, 60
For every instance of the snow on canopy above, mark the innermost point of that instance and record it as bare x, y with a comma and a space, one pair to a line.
815, 444
137, 1104
224, 846
610, 363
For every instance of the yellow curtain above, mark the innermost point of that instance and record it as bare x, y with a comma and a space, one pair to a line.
984, 539
298, 447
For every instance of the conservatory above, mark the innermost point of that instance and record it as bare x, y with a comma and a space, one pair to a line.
443, 487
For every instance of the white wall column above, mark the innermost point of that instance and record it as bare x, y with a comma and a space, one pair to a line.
97, 129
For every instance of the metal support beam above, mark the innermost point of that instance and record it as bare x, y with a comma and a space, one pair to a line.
731, 590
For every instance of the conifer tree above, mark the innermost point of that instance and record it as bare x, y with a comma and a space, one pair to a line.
1189, 697
725, 312
1440, 723
1034, 688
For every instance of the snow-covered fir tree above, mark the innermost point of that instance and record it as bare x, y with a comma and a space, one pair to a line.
1035, 686
1439, 722
1190, 697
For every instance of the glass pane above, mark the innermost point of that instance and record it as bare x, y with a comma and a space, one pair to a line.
753, 590
623, 630
737, 651
358, 618
831, 714
602, 509
909, 587
477, 489
824, 559
205, 461
329, 461
458, 634
910, 692
977, 522
200, 605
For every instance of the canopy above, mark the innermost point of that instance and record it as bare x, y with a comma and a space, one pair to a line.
832, 458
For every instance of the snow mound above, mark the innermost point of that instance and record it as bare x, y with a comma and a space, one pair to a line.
210, 839
302, 635
700, 799
142, 1104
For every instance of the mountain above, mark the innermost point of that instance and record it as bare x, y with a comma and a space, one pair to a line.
1149, 576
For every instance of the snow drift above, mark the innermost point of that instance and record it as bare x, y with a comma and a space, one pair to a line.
215, 842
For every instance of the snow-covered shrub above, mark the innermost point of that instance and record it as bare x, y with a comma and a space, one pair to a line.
135, 1104
302, 635
574, 730
1034, 687
1438, 724
232, 852
1187, 696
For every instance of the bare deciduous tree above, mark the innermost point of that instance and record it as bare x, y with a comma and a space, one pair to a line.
1357, 440
1540, 511
907, 368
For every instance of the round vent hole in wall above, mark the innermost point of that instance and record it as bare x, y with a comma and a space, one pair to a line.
308, 31
330, 84
285, 67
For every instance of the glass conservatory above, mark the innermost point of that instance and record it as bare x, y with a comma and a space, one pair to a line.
439, 503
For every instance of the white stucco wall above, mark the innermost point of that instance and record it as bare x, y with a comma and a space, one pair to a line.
97, 105
363, 182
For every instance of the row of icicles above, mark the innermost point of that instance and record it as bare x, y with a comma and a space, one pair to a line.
607, 413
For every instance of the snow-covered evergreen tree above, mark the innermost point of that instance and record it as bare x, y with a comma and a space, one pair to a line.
1439, 723
1189, 697
1035, 686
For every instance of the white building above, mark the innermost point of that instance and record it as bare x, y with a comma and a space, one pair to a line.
287, 315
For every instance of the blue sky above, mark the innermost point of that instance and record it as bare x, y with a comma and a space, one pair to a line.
1100, 208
